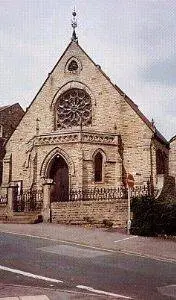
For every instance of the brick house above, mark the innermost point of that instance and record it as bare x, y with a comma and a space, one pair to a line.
10, 117
81, 132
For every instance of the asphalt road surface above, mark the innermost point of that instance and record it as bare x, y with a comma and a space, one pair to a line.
49, 264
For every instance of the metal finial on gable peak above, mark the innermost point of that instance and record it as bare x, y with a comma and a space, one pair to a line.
74, 25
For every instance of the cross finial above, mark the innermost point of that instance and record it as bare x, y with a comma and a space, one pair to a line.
74, 25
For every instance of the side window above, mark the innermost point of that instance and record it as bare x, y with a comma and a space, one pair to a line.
98, 167
160, 162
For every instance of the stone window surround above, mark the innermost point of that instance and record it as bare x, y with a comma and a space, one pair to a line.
50, 156
78, 70
70, 85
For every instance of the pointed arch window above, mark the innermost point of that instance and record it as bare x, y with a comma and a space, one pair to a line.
98, 167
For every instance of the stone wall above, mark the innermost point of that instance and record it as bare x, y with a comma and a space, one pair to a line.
95, 211
136, 139
172, 157
4, 212
168, 193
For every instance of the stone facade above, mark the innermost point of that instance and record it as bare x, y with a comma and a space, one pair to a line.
87, 125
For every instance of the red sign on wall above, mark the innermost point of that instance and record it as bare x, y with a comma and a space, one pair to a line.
130, 180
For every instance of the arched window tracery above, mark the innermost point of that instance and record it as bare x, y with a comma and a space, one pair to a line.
73, 66
73, 108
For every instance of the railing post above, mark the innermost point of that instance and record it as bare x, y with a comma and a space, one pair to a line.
10, 196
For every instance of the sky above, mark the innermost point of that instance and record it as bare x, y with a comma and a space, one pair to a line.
134, 42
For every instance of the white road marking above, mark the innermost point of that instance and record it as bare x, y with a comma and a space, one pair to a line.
16, 271
90, 289
61, 241
128, 238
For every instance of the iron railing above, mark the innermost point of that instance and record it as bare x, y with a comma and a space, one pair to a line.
28, 201
138, 191
32, 200
98, 194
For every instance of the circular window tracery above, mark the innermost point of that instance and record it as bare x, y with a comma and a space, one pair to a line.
73, 108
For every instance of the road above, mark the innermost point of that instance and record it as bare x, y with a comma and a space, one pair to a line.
68, 266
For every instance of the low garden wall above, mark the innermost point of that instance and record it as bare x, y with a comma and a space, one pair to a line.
110, 213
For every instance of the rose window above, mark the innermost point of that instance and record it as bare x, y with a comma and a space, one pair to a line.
73, 108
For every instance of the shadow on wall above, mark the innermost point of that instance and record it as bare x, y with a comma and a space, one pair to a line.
168, 192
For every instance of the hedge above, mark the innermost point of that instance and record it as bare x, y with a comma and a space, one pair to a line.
152, 217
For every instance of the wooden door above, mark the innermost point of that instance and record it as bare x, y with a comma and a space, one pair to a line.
59, 174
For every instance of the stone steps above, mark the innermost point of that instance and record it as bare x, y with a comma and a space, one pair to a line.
21, 218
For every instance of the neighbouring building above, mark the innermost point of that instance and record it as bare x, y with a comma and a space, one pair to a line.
82, 134
10, 117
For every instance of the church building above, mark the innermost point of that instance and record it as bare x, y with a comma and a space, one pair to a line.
81, 133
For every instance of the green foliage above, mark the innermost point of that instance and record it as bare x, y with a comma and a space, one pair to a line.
151, 217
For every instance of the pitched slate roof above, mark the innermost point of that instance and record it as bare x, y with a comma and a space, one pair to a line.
4, 107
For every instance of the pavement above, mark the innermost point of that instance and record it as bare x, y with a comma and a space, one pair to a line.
112, 239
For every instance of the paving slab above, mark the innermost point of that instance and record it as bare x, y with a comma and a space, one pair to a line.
13, 292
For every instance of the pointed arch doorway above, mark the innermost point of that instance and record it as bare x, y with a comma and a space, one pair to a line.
59, 172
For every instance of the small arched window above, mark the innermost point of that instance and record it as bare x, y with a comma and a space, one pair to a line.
98, 167
73, 66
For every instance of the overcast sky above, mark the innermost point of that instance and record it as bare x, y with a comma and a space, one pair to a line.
133, 41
